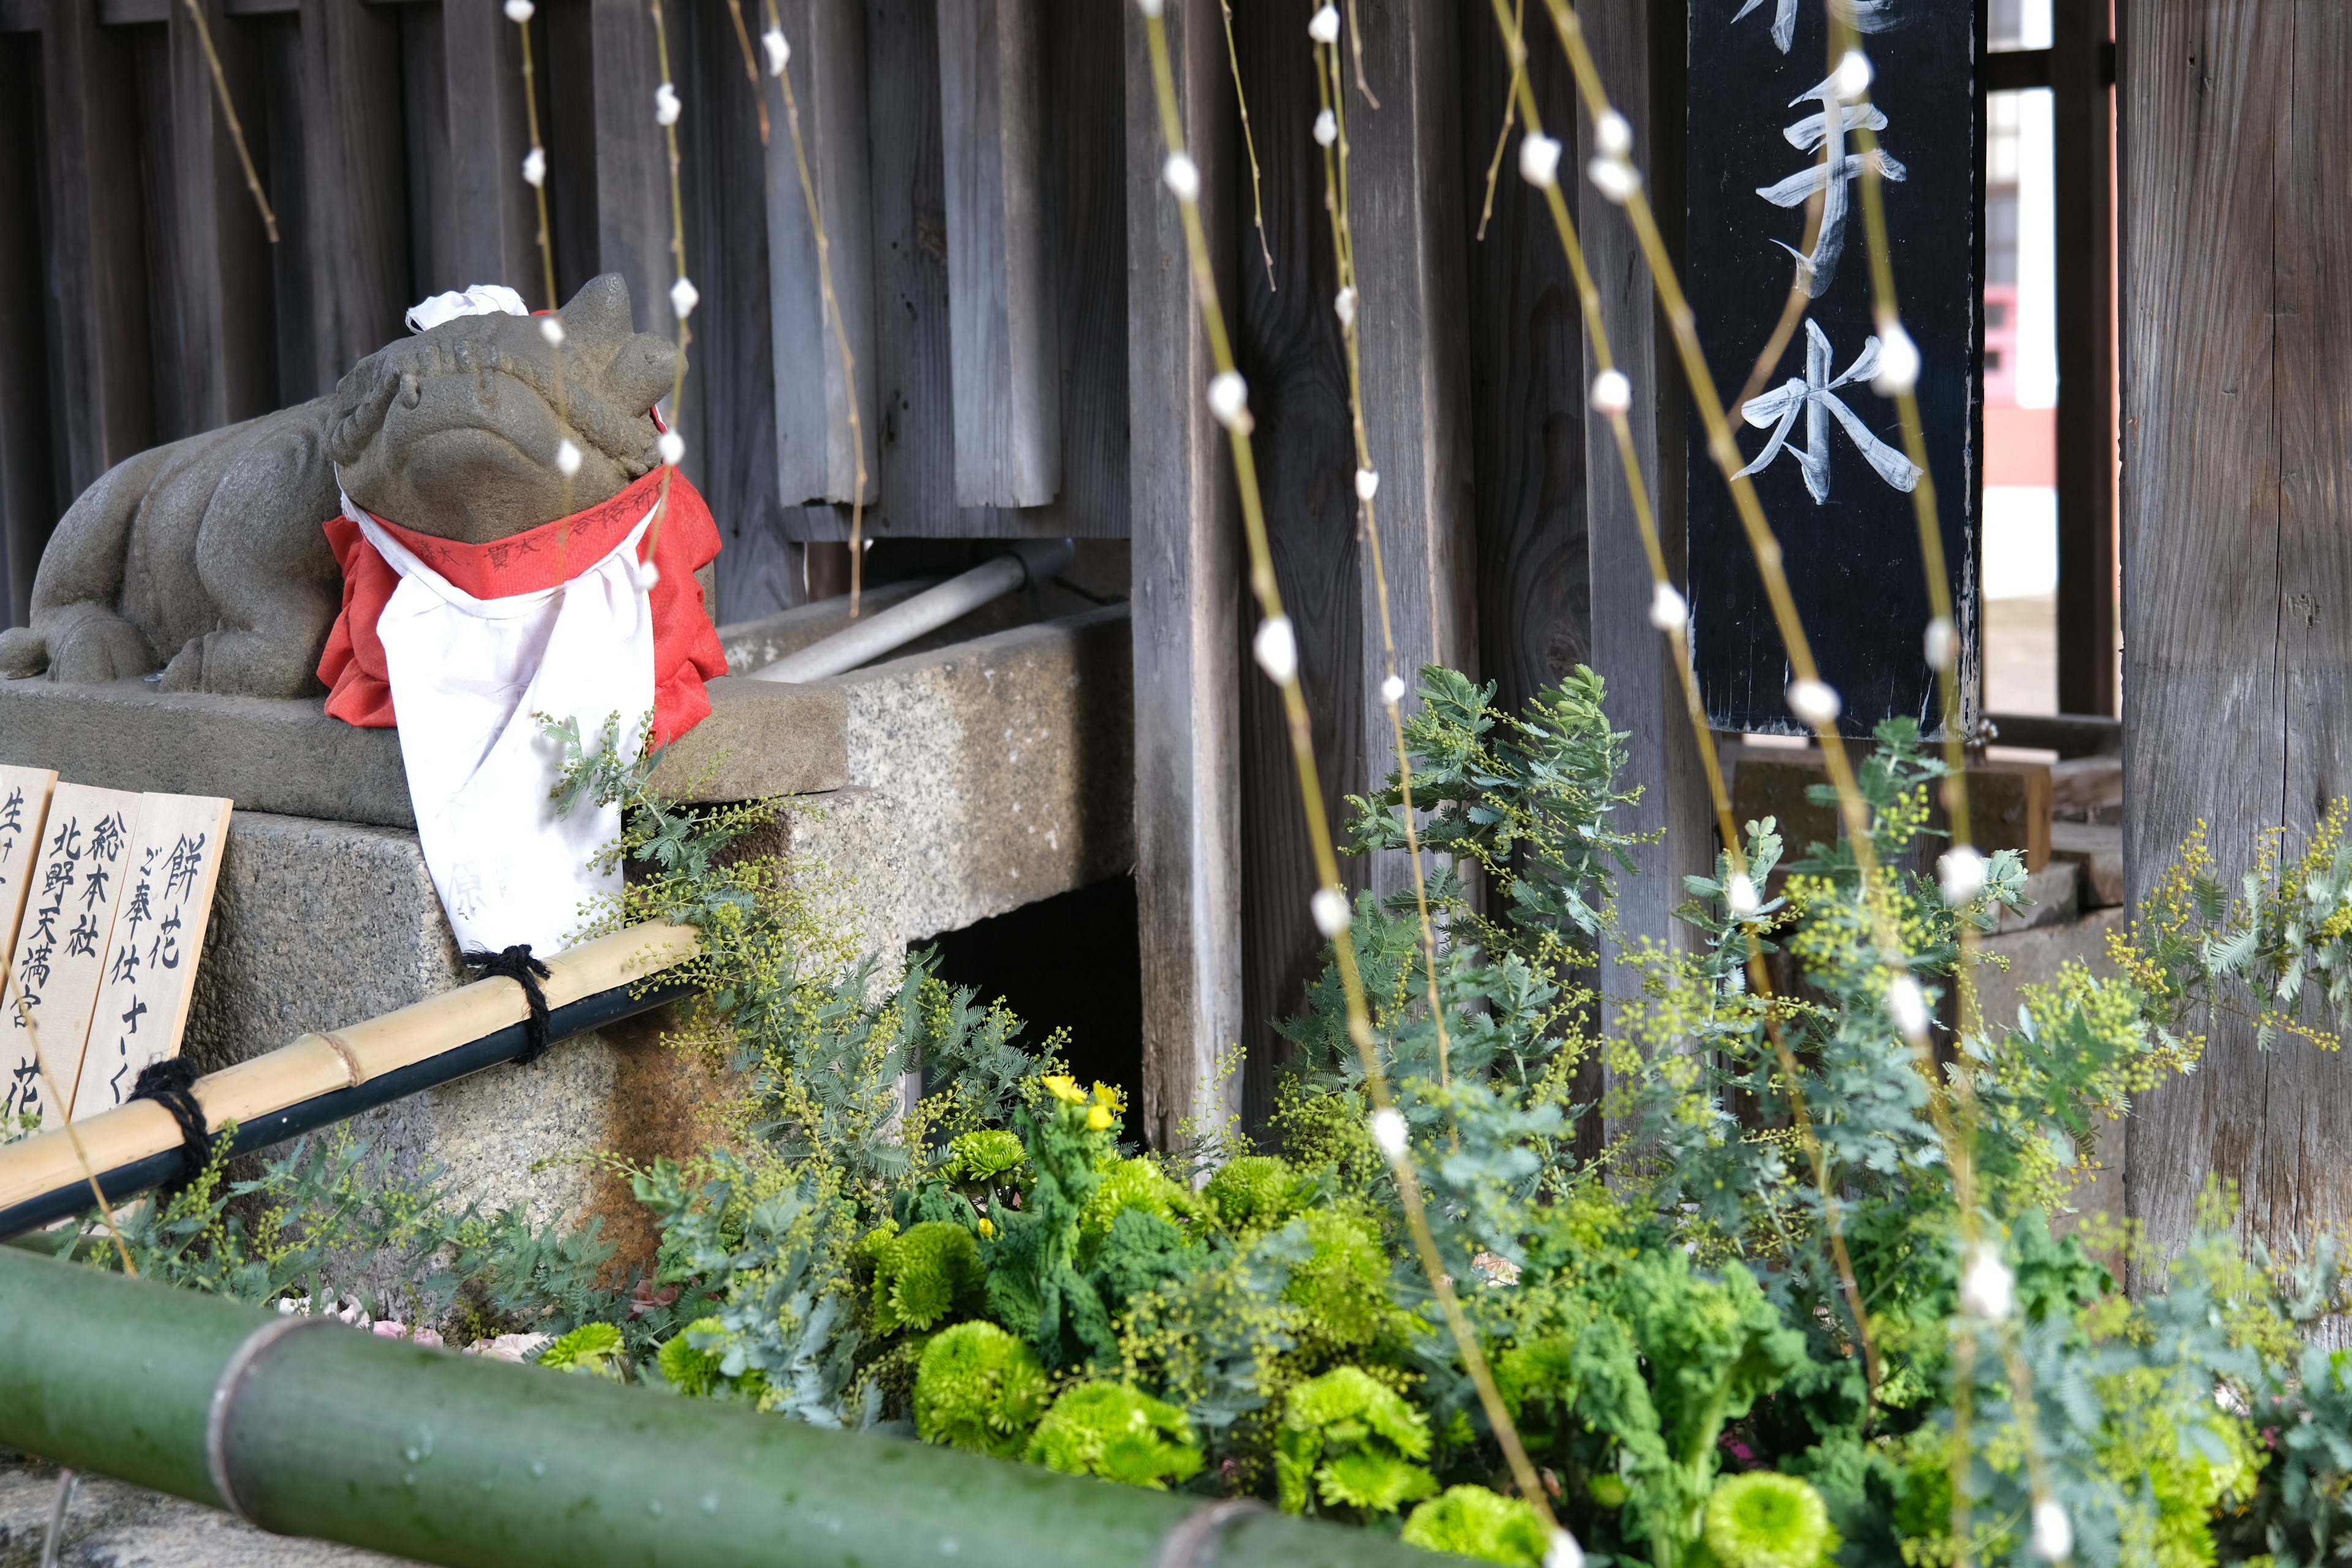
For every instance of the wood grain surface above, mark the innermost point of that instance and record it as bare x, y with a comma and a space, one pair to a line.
1187, 590
2236, 322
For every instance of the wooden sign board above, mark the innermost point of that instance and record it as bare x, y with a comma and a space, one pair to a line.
59, 956
24, 805
1766, 133
142, 1000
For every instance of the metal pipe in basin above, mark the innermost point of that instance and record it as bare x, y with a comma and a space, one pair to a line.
863, 641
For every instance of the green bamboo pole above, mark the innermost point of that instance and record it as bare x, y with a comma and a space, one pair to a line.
320, 1430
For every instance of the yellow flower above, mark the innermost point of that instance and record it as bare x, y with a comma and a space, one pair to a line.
987, 1227
1098, 1118
1064, 1087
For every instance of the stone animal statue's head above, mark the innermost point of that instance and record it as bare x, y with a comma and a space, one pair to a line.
454, 432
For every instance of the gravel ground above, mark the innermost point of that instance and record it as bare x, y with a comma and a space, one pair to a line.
115, 1525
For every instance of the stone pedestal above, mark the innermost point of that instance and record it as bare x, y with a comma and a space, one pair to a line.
928, 792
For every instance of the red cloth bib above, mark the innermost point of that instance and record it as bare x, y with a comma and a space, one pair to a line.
686, 648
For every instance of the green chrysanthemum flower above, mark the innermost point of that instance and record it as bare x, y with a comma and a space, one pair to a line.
988, 1155
687, 1368
592, 1348
978, 1389
1111, 1430
921, 1276
1133, 1185
1762, 1520
1255, 1193
1471, 1521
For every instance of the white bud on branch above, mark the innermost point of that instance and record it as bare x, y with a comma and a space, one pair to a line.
1898, 362
1392, 689
1324, 26
1613, 178
1739, 895
1182, 176
1909, 1006
1343, 305
1669, 611
1149, 7
665, 105
2053, 1536
683, 298
1327, 129
534, 167
1275, 648
1612, 394
1229, 399
551, 327
1368, 484
672, 447
1815, 702
567, 457
520, 11
1563, 1552
1943, 644
1389, 1132
779, 53
1988, 1290
1612, 133
1961, 871
1539, 161
1852, 77
1329, 908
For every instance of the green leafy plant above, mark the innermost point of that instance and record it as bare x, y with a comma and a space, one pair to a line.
1110, 1430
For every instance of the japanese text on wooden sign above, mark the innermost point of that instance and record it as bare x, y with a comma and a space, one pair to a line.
1775, 136
116, 895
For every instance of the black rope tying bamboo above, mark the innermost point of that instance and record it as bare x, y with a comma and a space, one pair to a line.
168, 1083
518, 966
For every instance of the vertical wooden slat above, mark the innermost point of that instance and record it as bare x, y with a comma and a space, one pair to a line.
97, 244
1527, 391
1004, 335
2087, 365
816, 460
1187, 587
2308, 1186
732, 455
490, 224
632, 163
29, 503
1642, 63
1287, 340
1406, 199
215, 330
354, 177
2222, 280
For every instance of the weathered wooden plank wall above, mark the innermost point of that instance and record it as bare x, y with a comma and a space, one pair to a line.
1187, 588
2236, 325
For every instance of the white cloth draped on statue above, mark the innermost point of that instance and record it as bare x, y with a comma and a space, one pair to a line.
470, 678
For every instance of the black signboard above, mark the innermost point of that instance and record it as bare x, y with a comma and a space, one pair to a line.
1766, 129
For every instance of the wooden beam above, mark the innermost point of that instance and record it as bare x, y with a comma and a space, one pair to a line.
97, 244
485, 223
816, 458
1187, 591
354, 182
2236, 322
2083, 171
1409, 237
1004, 332
632, 163
1287, 340
1640, 56
29, 503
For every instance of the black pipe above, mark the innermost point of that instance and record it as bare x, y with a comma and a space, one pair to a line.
308, 1115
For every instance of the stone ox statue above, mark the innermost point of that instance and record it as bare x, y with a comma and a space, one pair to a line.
206, 558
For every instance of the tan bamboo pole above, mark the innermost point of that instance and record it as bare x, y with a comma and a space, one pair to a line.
318, 1064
